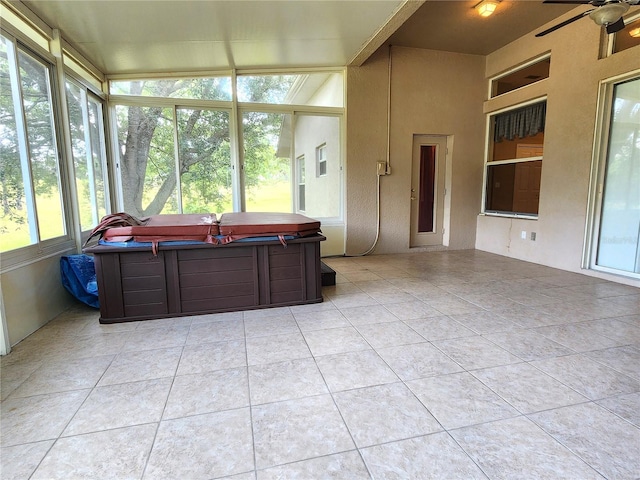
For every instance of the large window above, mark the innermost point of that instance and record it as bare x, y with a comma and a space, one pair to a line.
86, 127
184, 148
514, 163
30, 181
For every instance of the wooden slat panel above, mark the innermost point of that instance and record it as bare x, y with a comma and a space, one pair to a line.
109, 285
287, 285
281, 250
213, 253
172, 281
285, 260
286, 297
143, 283
216, 278
223, 291
313, 272
141, 269
218, 304
284, 273
144, 297
145, 310
216, 265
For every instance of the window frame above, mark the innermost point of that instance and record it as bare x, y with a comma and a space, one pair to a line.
489, 131
42, 249
91, 96
321, 160
301, 182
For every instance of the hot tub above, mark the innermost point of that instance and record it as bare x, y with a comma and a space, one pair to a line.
178, 266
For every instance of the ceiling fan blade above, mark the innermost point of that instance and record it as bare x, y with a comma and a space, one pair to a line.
562, 24
615, 26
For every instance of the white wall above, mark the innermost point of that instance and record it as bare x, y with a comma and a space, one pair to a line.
32, 296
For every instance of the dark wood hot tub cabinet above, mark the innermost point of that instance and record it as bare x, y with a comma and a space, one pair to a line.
134, 284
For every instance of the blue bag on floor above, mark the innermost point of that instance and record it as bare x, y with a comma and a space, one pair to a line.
79, 278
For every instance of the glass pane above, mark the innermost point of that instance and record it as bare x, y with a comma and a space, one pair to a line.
267, 169
323, 187
99, 159
619, 242
14, 224
514, 188
210, 88
205, 160
518, 148
36, 98
147, 160
317, 89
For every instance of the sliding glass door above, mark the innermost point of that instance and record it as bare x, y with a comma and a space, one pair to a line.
618, 232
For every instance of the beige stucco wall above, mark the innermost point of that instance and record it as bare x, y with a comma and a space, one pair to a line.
572, 96
434, 93
33, 295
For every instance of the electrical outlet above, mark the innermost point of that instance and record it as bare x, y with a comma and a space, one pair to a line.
382, 168
533, 236
523, 235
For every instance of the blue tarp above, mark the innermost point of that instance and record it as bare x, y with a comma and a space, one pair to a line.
79, 278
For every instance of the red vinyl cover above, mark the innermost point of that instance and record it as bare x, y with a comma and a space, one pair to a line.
194, 226
248, 224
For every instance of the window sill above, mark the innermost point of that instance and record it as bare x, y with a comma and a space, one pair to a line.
24, 256
519, 216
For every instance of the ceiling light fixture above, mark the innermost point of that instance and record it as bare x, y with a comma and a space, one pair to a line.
609, 13
635, 33
486, 7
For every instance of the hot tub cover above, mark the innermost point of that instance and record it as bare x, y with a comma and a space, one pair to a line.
198, 227
237, 225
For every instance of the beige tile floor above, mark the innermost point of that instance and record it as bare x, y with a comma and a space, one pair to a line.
448, 365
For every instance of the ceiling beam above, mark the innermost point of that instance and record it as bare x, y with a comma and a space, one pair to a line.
401, 14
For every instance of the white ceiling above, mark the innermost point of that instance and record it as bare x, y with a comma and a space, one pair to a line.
142, 36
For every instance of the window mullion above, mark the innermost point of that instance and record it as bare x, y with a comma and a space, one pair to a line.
176, 151
88, 152
237, 156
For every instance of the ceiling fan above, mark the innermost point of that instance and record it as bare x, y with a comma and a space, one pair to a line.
607, 13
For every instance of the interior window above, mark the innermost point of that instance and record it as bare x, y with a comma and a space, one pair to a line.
628, 37
514, 166
531, 73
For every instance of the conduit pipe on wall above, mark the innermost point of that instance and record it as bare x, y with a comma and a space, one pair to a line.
387, 165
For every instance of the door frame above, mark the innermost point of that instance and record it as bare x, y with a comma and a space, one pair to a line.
442, 190
597, 176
